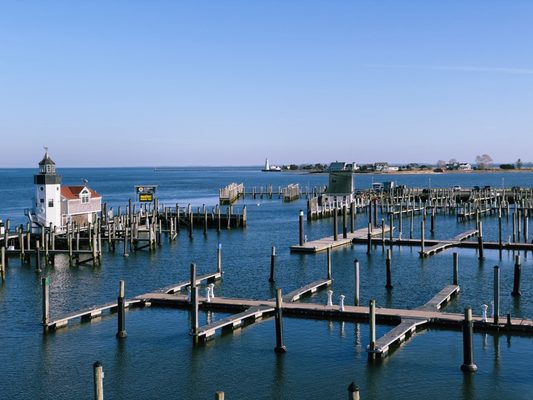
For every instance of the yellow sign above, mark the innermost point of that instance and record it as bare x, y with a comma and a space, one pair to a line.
146, 197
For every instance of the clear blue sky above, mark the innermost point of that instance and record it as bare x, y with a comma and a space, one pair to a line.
125, 83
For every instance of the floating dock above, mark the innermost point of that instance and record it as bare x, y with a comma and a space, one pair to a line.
91, 313
409, 325
448, 243
316, 246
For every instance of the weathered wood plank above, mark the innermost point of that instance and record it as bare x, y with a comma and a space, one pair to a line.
180, 286
307, 289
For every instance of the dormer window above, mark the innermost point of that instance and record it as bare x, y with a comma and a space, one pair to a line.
85, 197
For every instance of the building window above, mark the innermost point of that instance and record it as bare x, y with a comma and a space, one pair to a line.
42, 188
42, 200
84, 198
50, 202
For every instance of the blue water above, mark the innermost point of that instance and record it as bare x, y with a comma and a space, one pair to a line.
157, 359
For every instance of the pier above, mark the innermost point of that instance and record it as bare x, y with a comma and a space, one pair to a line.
90, 313
448, 243
350, 313
319, 245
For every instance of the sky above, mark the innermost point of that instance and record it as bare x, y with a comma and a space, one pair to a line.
223, 82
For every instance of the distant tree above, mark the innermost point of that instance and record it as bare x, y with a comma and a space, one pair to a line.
441, 163
452, 161
293, 167
483, 161
519, 164
507, 166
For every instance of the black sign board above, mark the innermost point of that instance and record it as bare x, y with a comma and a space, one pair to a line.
145, 192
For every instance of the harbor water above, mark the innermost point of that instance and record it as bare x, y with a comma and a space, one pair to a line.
158, 360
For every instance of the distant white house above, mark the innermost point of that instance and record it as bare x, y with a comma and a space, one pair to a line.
381, 167
464, 166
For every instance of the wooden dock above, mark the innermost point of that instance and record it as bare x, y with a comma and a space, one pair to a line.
316, 246
306, 290
448, 243
396, 336
213, 276
233, 322
440, 298
90, 313
408, 326
351, 313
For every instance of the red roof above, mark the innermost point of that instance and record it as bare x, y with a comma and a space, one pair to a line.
73, 192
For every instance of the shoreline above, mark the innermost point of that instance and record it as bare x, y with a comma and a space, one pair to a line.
424, 172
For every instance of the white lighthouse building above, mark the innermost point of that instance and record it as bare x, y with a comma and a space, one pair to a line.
46, 208
56, 206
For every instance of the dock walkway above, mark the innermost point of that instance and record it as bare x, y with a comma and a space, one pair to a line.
442, 245
409, 325
359, 313
316, 246
307, 289
90, 313
199, 279
252, 314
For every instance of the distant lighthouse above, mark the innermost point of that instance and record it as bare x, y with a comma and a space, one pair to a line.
47, 201
267, 165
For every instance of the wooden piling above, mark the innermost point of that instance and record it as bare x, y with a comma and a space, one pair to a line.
219, 395
191, 222
344, 226
272, 265
45, 302
388, 265
121, 331
422, 223
329, 262
500, 241
335, 224
411, 223
37, 256
353, 392
205, 221
468, 351
357, 282
3, 263
280, 347
372, 323
219, 258
391, 228
496, 294
455, 268
514, 227
526, 228
301, 228
516, 280
369, 239
194, 304
480, 240
126, 242
352, 217
98, 377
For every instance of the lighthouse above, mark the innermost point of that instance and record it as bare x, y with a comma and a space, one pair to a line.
46, 210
